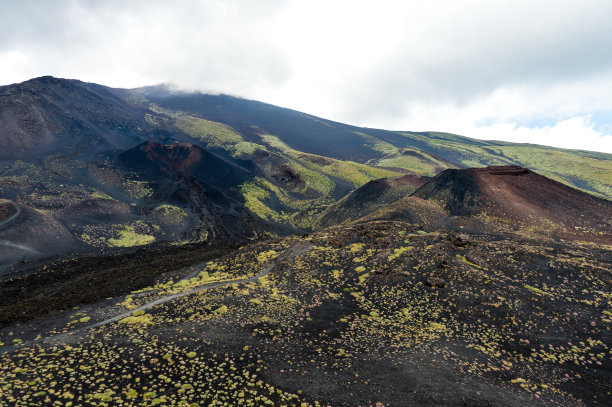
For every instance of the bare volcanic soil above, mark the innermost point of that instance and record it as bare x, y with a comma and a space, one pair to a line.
379, 313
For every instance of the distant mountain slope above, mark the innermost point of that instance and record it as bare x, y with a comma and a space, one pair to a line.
300, 131
425, 153
49, 115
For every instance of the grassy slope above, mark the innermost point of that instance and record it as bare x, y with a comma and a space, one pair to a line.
334, 158
419, 153
424, 153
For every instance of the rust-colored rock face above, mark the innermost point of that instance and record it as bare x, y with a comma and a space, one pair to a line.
522, 198
179, 157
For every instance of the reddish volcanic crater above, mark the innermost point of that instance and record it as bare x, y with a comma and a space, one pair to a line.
177, 156
519, 196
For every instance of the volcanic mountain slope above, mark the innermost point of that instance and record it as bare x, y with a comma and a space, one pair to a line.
49, 115
65, 144
380, 313
113, 170
287, 131
492, 199
150, 193
517, 197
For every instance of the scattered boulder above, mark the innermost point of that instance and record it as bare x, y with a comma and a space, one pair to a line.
476, 259
435, 282
459, 241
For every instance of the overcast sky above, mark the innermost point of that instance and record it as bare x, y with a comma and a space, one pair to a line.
528, 71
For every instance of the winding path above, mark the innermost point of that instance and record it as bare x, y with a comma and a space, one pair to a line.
296, 250
7, 221
13, 216
290, 253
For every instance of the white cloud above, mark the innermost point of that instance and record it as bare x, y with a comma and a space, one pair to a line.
14, 65
574, 133
479, 68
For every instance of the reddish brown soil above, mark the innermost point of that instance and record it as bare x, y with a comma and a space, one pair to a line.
179, 157
519, 198
517, 194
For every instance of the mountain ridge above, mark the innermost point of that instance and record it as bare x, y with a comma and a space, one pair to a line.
64, 141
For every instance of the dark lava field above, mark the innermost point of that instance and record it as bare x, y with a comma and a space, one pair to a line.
380, 313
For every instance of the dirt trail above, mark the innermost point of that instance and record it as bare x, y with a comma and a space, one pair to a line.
14, 215
293, 252
5, 222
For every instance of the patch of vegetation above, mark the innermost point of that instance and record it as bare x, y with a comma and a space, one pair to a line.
245, 149
536, 290
418, 164
170, 210
142, 319
383, 147
256, 193
398, 252
137, 189
101, 195
355, 173
171, 214
214, 134
129, 236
